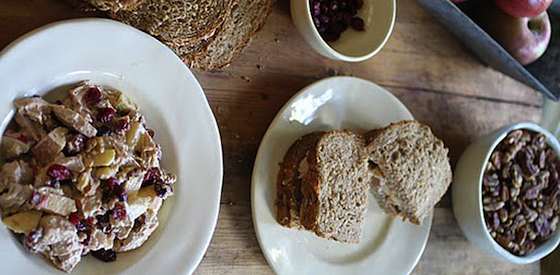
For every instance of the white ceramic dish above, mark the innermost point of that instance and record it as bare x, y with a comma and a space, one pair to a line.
113, 54
353, 46
388, 246
467, 196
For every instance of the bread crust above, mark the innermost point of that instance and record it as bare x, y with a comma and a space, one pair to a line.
288, 193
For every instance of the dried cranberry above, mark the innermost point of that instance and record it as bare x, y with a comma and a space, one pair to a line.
357, 24
119, 212
90, 222
59, 172
106, 115
152, 176
121, 194
111, 183
93, 96
74, 218
121, 125
105, 255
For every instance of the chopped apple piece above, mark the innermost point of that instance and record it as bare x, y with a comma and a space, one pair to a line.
23, 222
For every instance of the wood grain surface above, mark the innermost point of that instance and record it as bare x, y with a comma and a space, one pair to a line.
422, 64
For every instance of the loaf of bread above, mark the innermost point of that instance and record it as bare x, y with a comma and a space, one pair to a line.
246, 19
410, 168
323, 185
205, 34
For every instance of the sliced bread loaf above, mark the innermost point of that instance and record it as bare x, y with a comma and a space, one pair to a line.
334, 187
410, 168
184, 21
114, 6
288, 185
247, 17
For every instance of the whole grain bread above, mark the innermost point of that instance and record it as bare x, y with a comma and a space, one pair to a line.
410, 168
288, 185
182, 21
114, 6
247, 17
335, 187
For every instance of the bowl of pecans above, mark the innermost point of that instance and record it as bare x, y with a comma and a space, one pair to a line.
506, 193
347, 30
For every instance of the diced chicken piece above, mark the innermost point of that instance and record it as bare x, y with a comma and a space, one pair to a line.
99, 240
12, 148
36, 108
15, 197
58, 240
74, 120
31, 128
87, 184
54, 202
138, 203
91, 205
74, 164
23, 222
50, 146
15, 172
139, 234
77, 102
122, 228
133, 180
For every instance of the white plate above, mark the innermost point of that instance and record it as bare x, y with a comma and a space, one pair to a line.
114, 54
388, 246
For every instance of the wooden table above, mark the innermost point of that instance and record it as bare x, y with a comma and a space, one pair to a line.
423, 65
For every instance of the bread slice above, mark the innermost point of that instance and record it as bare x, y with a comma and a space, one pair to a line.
288, 185
182, 21
114, 6
410, 168
247, 17
335, 187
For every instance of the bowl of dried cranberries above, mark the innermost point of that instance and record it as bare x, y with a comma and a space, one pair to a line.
347, 30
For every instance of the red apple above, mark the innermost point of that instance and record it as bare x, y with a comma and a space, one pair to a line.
525, 38
523, 8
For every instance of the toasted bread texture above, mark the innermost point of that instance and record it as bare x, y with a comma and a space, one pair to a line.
410, 167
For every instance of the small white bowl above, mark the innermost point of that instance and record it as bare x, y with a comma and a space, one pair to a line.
467, 195
352, 46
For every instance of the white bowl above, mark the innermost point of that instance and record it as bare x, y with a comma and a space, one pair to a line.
352, 46
467, 195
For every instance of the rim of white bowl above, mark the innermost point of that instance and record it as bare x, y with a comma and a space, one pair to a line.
553, 142
342, 56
